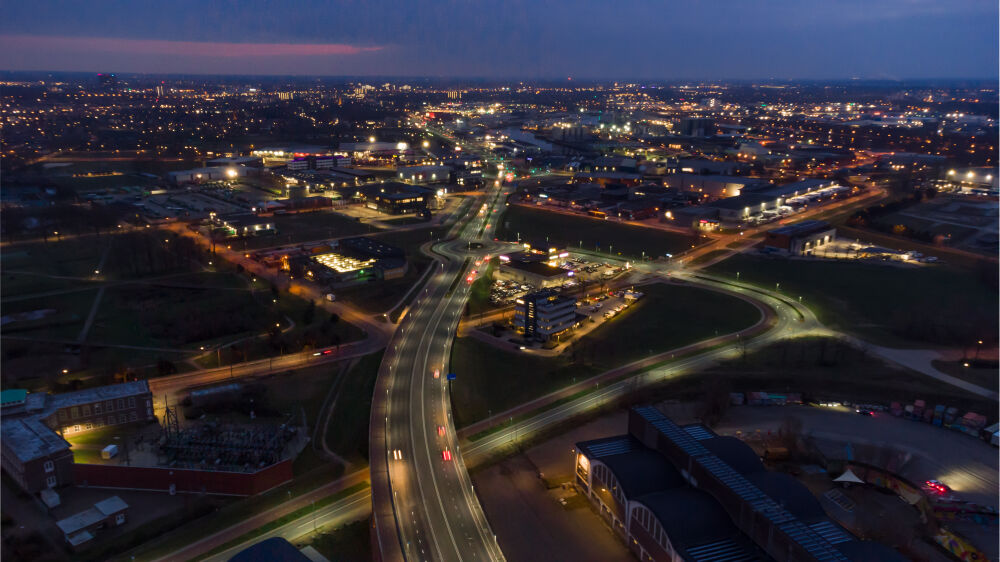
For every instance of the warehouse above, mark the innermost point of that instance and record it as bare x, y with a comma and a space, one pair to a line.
424, 174
712, 185
678, 493
535, 273
801, 238
396, 198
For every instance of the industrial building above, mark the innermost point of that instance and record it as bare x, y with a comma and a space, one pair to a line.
801, 238
79, 529
212, 173
696, 127
245, 224
677, 493
712, 185
544, 314
34, 453
424, 174
358, 259
248, 161
532, 272
395, 198
975, 181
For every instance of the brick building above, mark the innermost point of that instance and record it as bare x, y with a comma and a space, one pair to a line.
35, 454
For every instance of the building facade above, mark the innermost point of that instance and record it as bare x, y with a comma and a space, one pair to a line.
544, 314
800, 239
35, 454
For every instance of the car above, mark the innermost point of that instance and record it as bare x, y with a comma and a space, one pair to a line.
437, 373
936, 487
864, 412
446, 455
440, 430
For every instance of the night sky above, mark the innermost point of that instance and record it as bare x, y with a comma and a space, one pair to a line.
619, 39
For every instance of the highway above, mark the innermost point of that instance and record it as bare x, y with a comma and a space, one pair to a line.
423, 501
792, 320
424, 504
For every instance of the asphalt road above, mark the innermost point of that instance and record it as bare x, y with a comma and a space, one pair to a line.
350, 509
425, 506
171, 389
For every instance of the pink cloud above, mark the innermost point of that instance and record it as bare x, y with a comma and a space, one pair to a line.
181, 48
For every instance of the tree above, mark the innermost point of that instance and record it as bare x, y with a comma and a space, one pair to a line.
715, 401
165, 367
309, 314
790, 431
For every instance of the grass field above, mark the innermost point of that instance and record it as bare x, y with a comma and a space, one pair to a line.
74, 257
70, 311
157, 294
822, 369
955, 232
348, 431
305, 227
490, 380
349, 542
479, 292
983, 374
595, 234
887, 304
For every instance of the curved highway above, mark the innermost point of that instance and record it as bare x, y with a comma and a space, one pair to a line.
424, 505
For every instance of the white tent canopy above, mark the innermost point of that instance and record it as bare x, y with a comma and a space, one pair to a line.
849, 476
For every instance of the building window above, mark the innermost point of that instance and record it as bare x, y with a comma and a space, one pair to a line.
49, 466
121, 418
131, 401
86, 410
89, 425
99, 422
120, 519
111, 420
76, 428
74, 412
97, 408
132, 416
62, 415
50, 481
121, 403
149, 404
109, 406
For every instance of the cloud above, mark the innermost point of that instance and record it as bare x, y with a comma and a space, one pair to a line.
180, 48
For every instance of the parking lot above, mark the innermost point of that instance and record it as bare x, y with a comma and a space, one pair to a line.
534, 517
